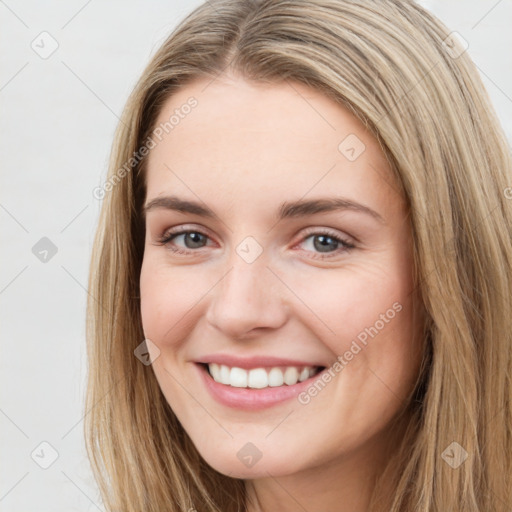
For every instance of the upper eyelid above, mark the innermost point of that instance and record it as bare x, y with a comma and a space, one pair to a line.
182, 229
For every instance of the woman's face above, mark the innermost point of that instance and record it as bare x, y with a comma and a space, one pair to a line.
291, 253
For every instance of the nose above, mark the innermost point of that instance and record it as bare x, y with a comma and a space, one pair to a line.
247, 299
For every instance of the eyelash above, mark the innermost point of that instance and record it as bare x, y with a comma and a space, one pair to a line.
346, 246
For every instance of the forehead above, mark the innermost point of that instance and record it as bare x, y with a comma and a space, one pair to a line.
243, 138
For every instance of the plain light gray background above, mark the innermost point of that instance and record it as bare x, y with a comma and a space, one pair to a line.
57, 121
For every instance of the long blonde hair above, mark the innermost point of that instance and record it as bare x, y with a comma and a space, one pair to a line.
424, 101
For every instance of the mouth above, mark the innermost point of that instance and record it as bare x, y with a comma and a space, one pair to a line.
256, 382
261, 377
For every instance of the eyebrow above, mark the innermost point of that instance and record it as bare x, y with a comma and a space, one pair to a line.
287, 210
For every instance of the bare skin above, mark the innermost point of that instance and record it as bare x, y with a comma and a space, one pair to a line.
242, 151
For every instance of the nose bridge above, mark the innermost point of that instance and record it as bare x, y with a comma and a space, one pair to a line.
245, 298
241, 282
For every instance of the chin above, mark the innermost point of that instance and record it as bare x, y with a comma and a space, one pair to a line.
245, 460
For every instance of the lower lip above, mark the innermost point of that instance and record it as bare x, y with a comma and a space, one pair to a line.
252, 399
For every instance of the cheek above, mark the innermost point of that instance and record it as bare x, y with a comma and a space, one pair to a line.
367, 317
347, 301
166, 299
167, 296
375, 334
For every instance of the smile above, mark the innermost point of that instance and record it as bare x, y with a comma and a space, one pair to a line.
258, 381
259, 378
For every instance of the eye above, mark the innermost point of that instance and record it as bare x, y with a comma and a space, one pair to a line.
325, 243
193, 239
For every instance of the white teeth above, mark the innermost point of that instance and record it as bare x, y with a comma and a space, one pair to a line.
304, 374
275, 377
291, 376
215, 371
238, 378
259, 378
224, 374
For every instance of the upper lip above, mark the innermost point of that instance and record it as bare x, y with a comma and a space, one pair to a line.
253, 362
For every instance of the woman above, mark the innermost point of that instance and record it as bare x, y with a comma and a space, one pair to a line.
300, 286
